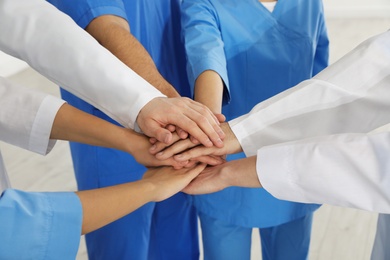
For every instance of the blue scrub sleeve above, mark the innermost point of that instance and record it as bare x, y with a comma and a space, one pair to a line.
84, 11
203, 43
37, 225
321, 57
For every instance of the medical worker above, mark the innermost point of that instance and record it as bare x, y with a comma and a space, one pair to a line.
48, 225
331, 146
130, 100
51, 43
168, 230
239, 54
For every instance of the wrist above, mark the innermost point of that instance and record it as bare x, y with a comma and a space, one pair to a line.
128, 141
242, 173
232, 144
228, 175
149, 190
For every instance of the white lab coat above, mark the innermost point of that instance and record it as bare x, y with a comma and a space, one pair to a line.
26, 119
314, 142
53, 219
50, 42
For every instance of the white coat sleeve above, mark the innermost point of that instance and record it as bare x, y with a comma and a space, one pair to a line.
27, 116
351, 96
50, 42
349, 170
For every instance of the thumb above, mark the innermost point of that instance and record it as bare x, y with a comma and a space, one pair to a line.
196, 170
221, 118
160, 133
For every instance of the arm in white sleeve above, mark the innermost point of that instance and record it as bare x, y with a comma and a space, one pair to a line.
343, 165
26, 117
350, 96
349, 170
50, 42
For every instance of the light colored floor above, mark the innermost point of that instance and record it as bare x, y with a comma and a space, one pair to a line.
338, 233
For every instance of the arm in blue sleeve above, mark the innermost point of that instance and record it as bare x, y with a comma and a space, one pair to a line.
84, 11
203, 42
39, 225
321, 58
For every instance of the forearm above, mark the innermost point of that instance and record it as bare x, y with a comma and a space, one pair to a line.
102, 206
105, 205
75, 125
70, 57
114, 34
242, 173
239, 173
209, 90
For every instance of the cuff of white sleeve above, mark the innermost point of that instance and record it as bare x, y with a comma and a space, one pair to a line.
40, 135
274, 168
241, 132
142, 100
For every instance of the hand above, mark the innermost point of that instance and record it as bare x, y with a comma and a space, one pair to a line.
183, 134
139, 147
166, 181
191, 117
240, 173
186, 150
182, 145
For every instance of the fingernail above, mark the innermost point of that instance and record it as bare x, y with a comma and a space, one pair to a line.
179, 156
153, 147
160, 154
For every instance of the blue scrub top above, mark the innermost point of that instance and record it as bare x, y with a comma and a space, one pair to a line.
158, 30
159, 33
257, 54
39, 225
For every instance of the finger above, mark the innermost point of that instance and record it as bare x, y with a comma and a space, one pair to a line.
190, 164
159, 146
221, 118
195, 141
193, 172
153, 140
193, 153
171, 128
176, 148
198, 121
175, 164
161, 134
180, 132
206, 123
181, 165
209, 160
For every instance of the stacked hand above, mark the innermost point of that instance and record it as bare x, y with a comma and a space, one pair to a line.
184, 134
161, 116
219, 174
187, 151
